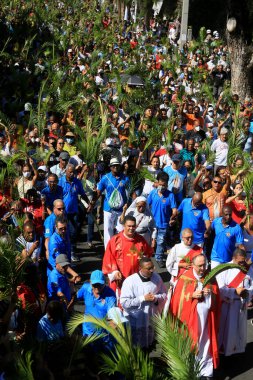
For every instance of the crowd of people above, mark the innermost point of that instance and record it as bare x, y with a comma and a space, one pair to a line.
171, 178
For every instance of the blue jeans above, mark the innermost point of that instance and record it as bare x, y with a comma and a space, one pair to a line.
90, 220
162, 242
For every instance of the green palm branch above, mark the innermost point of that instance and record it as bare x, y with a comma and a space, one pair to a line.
126, 359
219, 269
177, 352
11, 269
23, 364
248, 188
205, 149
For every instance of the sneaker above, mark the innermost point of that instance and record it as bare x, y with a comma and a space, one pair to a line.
75, 259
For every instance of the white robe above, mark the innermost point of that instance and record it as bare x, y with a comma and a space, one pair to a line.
138, 311
233, 323
175, 255
203, 355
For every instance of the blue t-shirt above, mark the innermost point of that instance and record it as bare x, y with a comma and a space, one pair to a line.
58, 282
225, 240
71, 190
194, 218
161, 207
52, 196
95, 307
56, 246
48, 331
108, 183
49, 225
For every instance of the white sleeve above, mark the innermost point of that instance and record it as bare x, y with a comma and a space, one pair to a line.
171, 262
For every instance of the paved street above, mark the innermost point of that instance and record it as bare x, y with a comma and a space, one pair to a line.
238, 368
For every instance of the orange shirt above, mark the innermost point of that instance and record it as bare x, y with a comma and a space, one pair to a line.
191, 119
214, 202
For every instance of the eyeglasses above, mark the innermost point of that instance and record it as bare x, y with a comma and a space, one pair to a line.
188, 237
219, 182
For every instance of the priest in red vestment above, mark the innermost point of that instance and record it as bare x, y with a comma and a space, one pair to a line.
199, 309
123, 253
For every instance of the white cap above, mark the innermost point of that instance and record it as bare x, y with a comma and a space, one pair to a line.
208, 31
43, 167
70, 50
114, 161
223, 131
27, 107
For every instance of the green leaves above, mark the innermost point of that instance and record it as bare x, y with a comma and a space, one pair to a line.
219, 269
177, 350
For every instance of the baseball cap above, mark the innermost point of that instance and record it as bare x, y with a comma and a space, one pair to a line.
64, 156
70, 134
62, 260
43, 168
97, 277
115, 314
176, 157
114, 161
223, 131
208, 31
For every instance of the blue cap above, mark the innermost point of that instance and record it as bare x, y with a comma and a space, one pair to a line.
97, 277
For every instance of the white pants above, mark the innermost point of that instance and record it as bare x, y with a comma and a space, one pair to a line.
111, 221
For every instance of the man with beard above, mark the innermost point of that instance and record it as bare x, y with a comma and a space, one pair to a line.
198, 308
123, 253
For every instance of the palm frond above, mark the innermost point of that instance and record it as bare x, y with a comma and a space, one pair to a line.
177, 349
219, 269
248, 188
126, 359
23, 365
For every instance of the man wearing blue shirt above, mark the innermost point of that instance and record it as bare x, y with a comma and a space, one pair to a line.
196, 217
108, 183
52, 192
228, 235
98, 299
59, 244
177, 177
58, 286
49, 224
163, 207
72, 188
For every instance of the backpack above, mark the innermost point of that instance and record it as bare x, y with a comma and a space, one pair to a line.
116, 200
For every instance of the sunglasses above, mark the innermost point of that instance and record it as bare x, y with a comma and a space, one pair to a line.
62, 229
214, 181
60, 209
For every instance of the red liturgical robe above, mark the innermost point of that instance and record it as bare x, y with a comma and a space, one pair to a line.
185, 308
123, 254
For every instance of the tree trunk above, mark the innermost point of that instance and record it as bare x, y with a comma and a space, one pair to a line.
240, 48
241, 67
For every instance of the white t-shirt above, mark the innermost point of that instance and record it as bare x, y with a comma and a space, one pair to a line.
221, 151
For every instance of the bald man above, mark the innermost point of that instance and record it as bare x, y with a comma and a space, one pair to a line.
195, 215
228, 236
180, 257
